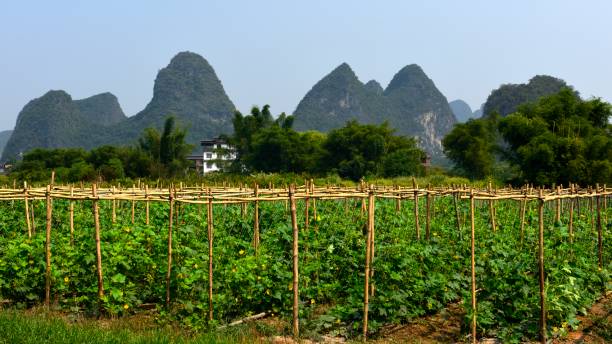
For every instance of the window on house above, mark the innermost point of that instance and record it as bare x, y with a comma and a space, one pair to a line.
209, 165
208, 155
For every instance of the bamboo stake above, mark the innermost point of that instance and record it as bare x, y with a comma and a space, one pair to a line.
48, 248
398, 201
428, 214
147, 204
256, 219
492, 210
599, 235
455, 197
210, 256
571, 216
114, 207
27, 211
296, 328
558, 206
96, 215
523, 210
71, 216
541, 269
371, 210
366, 292
169, 272
417, 227
306, 210
33, 220
473, 266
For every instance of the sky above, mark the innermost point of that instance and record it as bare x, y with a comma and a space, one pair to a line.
273, 52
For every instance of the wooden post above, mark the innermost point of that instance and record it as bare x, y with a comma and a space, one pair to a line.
96, 215
366, 292
296, 328
491, 209
210, 255
571, 215
599, 233
48, 248
417, 227
456, 196
133, 210
71, 220
473, 266
33, 220
428, 214
147, 204
558, 206
256, 219
541, 269
523, 210
591, 210
398, 201
169, 272
114, 206
307, 209
27, 210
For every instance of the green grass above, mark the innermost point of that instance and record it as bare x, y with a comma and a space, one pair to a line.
17, 327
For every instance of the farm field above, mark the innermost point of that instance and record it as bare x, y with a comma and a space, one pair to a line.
412, 275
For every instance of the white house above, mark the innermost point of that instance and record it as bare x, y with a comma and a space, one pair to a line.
214, 153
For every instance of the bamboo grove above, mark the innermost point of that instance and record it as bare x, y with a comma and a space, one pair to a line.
566, 205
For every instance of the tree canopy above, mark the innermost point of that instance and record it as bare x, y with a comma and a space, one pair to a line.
559, 139
353, 151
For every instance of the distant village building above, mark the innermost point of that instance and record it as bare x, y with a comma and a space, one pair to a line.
215, 154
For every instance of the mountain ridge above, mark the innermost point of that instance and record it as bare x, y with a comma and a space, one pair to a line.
411, 104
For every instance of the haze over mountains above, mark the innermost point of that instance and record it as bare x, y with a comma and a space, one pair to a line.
189, 89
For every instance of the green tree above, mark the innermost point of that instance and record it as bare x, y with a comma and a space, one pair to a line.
560, 139
167, 150
357, 150
471, 146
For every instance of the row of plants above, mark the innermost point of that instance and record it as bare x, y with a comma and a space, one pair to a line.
411, 277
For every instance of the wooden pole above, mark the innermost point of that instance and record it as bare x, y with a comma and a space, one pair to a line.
541, 269
169, 272
523, 210
456, 196
398, 201
599, 234
147, 204
27, 210
571, 215
256, 219
48, 248
210, 256
33, 220
296, 328
366, 292
473, 266
71, 220
114, 206
96, 215
417, 227
307, 209
428, 214
491, 209
558, 206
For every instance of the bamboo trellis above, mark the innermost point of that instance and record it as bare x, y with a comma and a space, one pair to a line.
309, 193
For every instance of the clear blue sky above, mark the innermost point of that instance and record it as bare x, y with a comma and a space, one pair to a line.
274, 51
